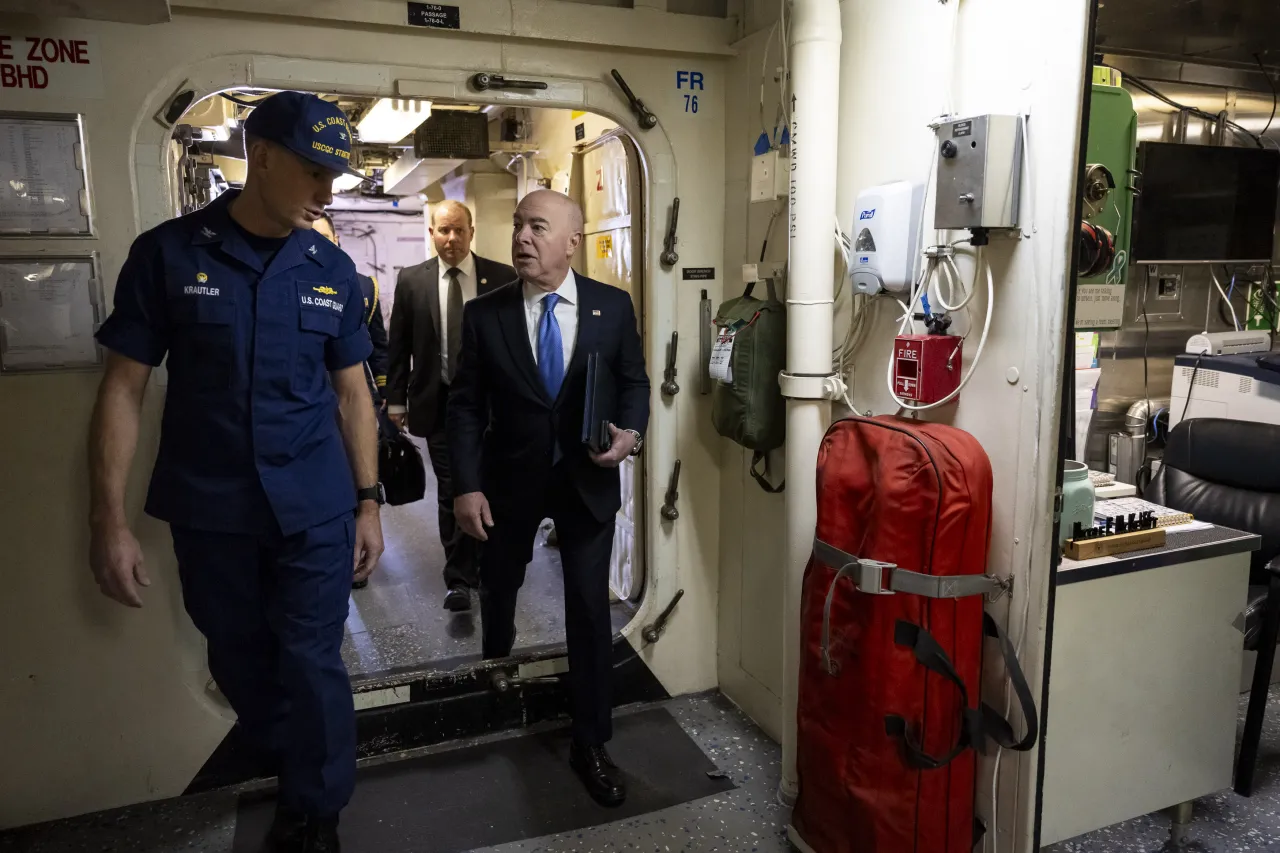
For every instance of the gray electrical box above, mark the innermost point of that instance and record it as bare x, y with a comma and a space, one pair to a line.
979, 173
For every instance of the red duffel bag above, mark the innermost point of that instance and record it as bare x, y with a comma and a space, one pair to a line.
892, 629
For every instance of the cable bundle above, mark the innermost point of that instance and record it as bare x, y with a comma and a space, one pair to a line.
1097, 249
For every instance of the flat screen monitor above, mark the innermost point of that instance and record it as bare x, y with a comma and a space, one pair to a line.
1204, 204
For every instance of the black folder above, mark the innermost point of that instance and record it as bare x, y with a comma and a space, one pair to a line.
600, 405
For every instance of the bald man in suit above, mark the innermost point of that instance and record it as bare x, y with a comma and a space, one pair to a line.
426, 323
516, 412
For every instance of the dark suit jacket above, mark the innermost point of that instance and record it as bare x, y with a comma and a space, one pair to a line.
413, 376
503, 426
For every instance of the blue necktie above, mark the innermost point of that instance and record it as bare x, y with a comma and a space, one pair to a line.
550, 347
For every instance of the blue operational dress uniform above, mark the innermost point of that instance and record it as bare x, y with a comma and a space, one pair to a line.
252, 474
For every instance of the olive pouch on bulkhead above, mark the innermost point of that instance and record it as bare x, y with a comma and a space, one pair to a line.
750, 351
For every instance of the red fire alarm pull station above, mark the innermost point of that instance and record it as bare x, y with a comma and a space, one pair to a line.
926, 368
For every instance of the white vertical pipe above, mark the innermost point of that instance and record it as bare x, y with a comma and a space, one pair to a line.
815, 90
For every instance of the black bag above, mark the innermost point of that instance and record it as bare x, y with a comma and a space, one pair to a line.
399, 463
400, 469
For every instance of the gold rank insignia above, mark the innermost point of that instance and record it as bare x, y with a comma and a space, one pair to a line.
327, 291
201, 277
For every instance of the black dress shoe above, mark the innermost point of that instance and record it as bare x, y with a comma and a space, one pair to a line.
596, 770
321, 836
458, 600
360, 584
295, 833
286, 832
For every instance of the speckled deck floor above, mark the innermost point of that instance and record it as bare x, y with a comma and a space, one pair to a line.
745, 820
399, 620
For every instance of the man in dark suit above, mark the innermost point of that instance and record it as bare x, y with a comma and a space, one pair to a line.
426, 322
515, 435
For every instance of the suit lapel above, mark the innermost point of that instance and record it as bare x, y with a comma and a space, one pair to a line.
516, 333
588, 333
432, 272
485, 282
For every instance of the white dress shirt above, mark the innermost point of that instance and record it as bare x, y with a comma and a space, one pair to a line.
566, 314
467, 278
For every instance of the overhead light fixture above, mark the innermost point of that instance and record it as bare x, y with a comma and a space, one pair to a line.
391, 120
345, 182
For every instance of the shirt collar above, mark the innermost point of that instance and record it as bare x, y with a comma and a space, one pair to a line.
567, 291
213, 224
468, 266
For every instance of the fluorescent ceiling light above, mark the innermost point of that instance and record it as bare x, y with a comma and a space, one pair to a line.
391, 120
345, 182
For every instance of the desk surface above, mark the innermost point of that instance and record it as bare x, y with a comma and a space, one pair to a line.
1179, 547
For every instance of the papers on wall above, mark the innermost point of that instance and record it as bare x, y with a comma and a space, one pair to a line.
1087, 376
48, 314
42, 179
1099, 306
1086, 402
1086, 350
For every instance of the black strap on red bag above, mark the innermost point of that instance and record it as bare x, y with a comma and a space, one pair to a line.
995, 726
977, 725
931, 656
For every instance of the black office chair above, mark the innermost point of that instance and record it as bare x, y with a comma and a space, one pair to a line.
1228, 472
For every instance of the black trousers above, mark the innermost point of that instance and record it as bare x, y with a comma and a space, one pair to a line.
585, 548
461, 558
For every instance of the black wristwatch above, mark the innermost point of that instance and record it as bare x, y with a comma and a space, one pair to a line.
373, 493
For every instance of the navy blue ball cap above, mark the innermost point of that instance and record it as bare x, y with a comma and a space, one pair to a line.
310, 127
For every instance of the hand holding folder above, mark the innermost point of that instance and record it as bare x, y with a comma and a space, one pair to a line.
600, 405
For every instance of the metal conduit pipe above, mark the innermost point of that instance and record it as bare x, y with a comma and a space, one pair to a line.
809, 381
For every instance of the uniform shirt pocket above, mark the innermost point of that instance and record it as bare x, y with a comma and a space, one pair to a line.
320, 309
203, 352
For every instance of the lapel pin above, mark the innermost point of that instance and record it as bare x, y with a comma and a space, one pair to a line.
484, 281
595, 312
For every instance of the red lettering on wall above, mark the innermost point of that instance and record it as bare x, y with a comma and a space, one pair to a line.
6, 47
54, 51
23, 77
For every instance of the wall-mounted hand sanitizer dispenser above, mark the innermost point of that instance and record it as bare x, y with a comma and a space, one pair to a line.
885, 222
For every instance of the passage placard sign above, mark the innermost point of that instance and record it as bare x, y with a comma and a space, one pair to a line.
435, 15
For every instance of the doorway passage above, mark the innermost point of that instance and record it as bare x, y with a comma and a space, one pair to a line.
415, 156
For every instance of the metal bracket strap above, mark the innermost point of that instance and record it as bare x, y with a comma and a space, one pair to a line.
869, 576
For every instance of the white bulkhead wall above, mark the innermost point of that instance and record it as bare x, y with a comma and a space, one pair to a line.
101, 706
898, 72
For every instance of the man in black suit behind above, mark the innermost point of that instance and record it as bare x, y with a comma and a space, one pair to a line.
426, 322
515, 435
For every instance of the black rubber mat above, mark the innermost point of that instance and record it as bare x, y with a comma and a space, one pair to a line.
507, 790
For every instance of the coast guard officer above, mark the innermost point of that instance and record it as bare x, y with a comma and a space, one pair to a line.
266, 473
